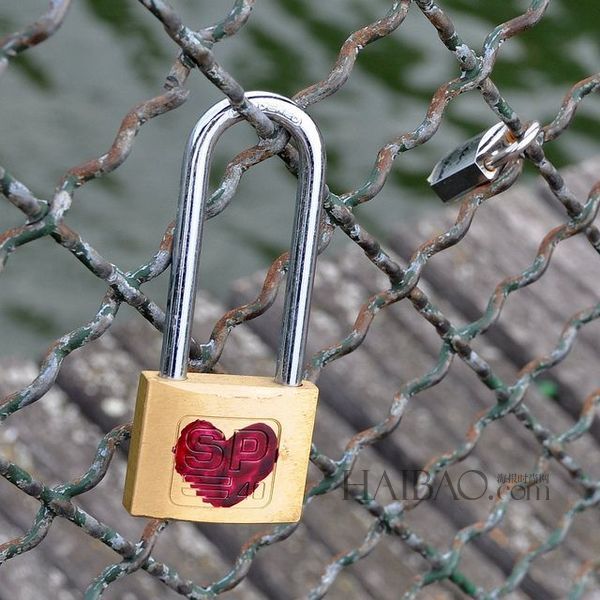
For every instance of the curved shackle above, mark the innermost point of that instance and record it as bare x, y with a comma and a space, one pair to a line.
191, 213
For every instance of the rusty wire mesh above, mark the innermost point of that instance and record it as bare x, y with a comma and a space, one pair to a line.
47, 217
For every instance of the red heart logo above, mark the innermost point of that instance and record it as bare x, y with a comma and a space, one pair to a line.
225, 472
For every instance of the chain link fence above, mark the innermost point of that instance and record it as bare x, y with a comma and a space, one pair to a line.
196, 52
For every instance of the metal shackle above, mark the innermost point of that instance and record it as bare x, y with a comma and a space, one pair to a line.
191, 213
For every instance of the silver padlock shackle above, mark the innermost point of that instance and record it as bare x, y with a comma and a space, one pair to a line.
191, 213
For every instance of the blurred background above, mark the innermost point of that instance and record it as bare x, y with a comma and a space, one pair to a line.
62, 103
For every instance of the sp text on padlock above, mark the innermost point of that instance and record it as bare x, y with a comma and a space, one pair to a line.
225, 471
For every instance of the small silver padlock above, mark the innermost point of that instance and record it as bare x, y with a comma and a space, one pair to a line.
479, 160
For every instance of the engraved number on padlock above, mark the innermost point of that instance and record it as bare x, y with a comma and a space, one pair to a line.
229, 448
478, 161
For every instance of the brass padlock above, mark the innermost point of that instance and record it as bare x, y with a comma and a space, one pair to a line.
479, 160
228, 448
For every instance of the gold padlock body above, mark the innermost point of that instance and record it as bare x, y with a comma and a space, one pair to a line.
181, 427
